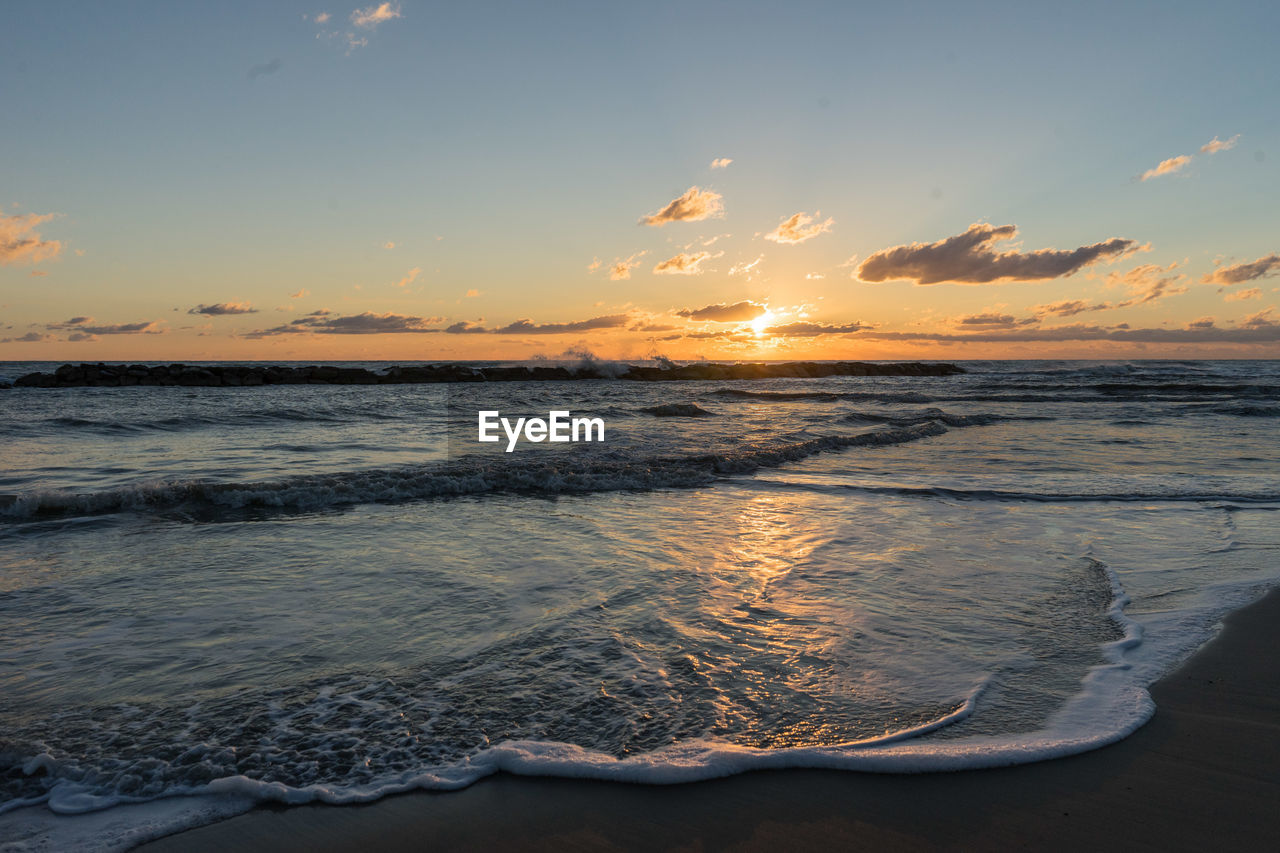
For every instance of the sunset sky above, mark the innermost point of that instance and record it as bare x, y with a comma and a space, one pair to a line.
418, 180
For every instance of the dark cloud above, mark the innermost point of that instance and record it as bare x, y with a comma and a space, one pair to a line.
970, 258
29, 338
1263, 267
526, 327
738, 312
813, 330
1070, 308
464, 327
321, 323
994, 321
223, 308
81, 325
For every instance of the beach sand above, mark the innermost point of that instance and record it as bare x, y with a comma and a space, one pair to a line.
1203, 774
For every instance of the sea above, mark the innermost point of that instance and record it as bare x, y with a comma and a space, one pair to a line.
216, 598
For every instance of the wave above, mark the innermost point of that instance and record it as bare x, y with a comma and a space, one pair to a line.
1038, 497
553, 473
1111, 704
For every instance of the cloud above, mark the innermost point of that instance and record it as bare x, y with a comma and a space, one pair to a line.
621, 269
1147, 283
683, 264
594, 265
465, 327
1202, 323
265, 68
813, 276
796, 229
993, 321
1240, 296
1213, 146
1268, 265
1167, 167
80, 325
409, 277
745, 268
223, 308
29, 338
813, 330
525, 327
1258, 332
1264, 319
696, 204
472, 294
322, 323
21, 242
721, 162
390, 244
969, 258
738, 312
301, 293
1070, 308
322, 18
370, 16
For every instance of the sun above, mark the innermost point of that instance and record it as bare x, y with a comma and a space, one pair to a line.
759, 324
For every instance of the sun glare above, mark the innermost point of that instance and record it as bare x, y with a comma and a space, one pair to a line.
764, 321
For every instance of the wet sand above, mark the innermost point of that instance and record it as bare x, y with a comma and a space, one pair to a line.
1203, 774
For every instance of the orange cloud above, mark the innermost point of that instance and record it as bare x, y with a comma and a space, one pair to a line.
683, 264
721, 162
796, 229
1148, 283
1213, 146
1240, 296
409, 277
370, 16
696, 204
1167, 167
21, 242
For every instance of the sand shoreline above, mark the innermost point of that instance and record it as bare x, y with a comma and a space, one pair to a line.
1204, 772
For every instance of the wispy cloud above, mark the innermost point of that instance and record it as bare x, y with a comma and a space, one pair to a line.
1167, 167
1070, 308
796, 229
683, 264
83, 326
409, 277
813, 330
21, 242
1264, 267
620, 269
301, 293
738, 312
721, 162
29, 338
696, 204
370, 16
746, 268
223, 308
1213, 146
970, 258
1148, 283
1242, 295
322, 18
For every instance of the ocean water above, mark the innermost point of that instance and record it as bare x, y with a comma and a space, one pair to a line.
216, 597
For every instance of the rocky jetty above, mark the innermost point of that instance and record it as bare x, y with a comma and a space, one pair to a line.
249, 375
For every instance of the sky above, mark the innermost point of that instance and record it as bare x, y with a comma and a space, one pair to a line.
720, 180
